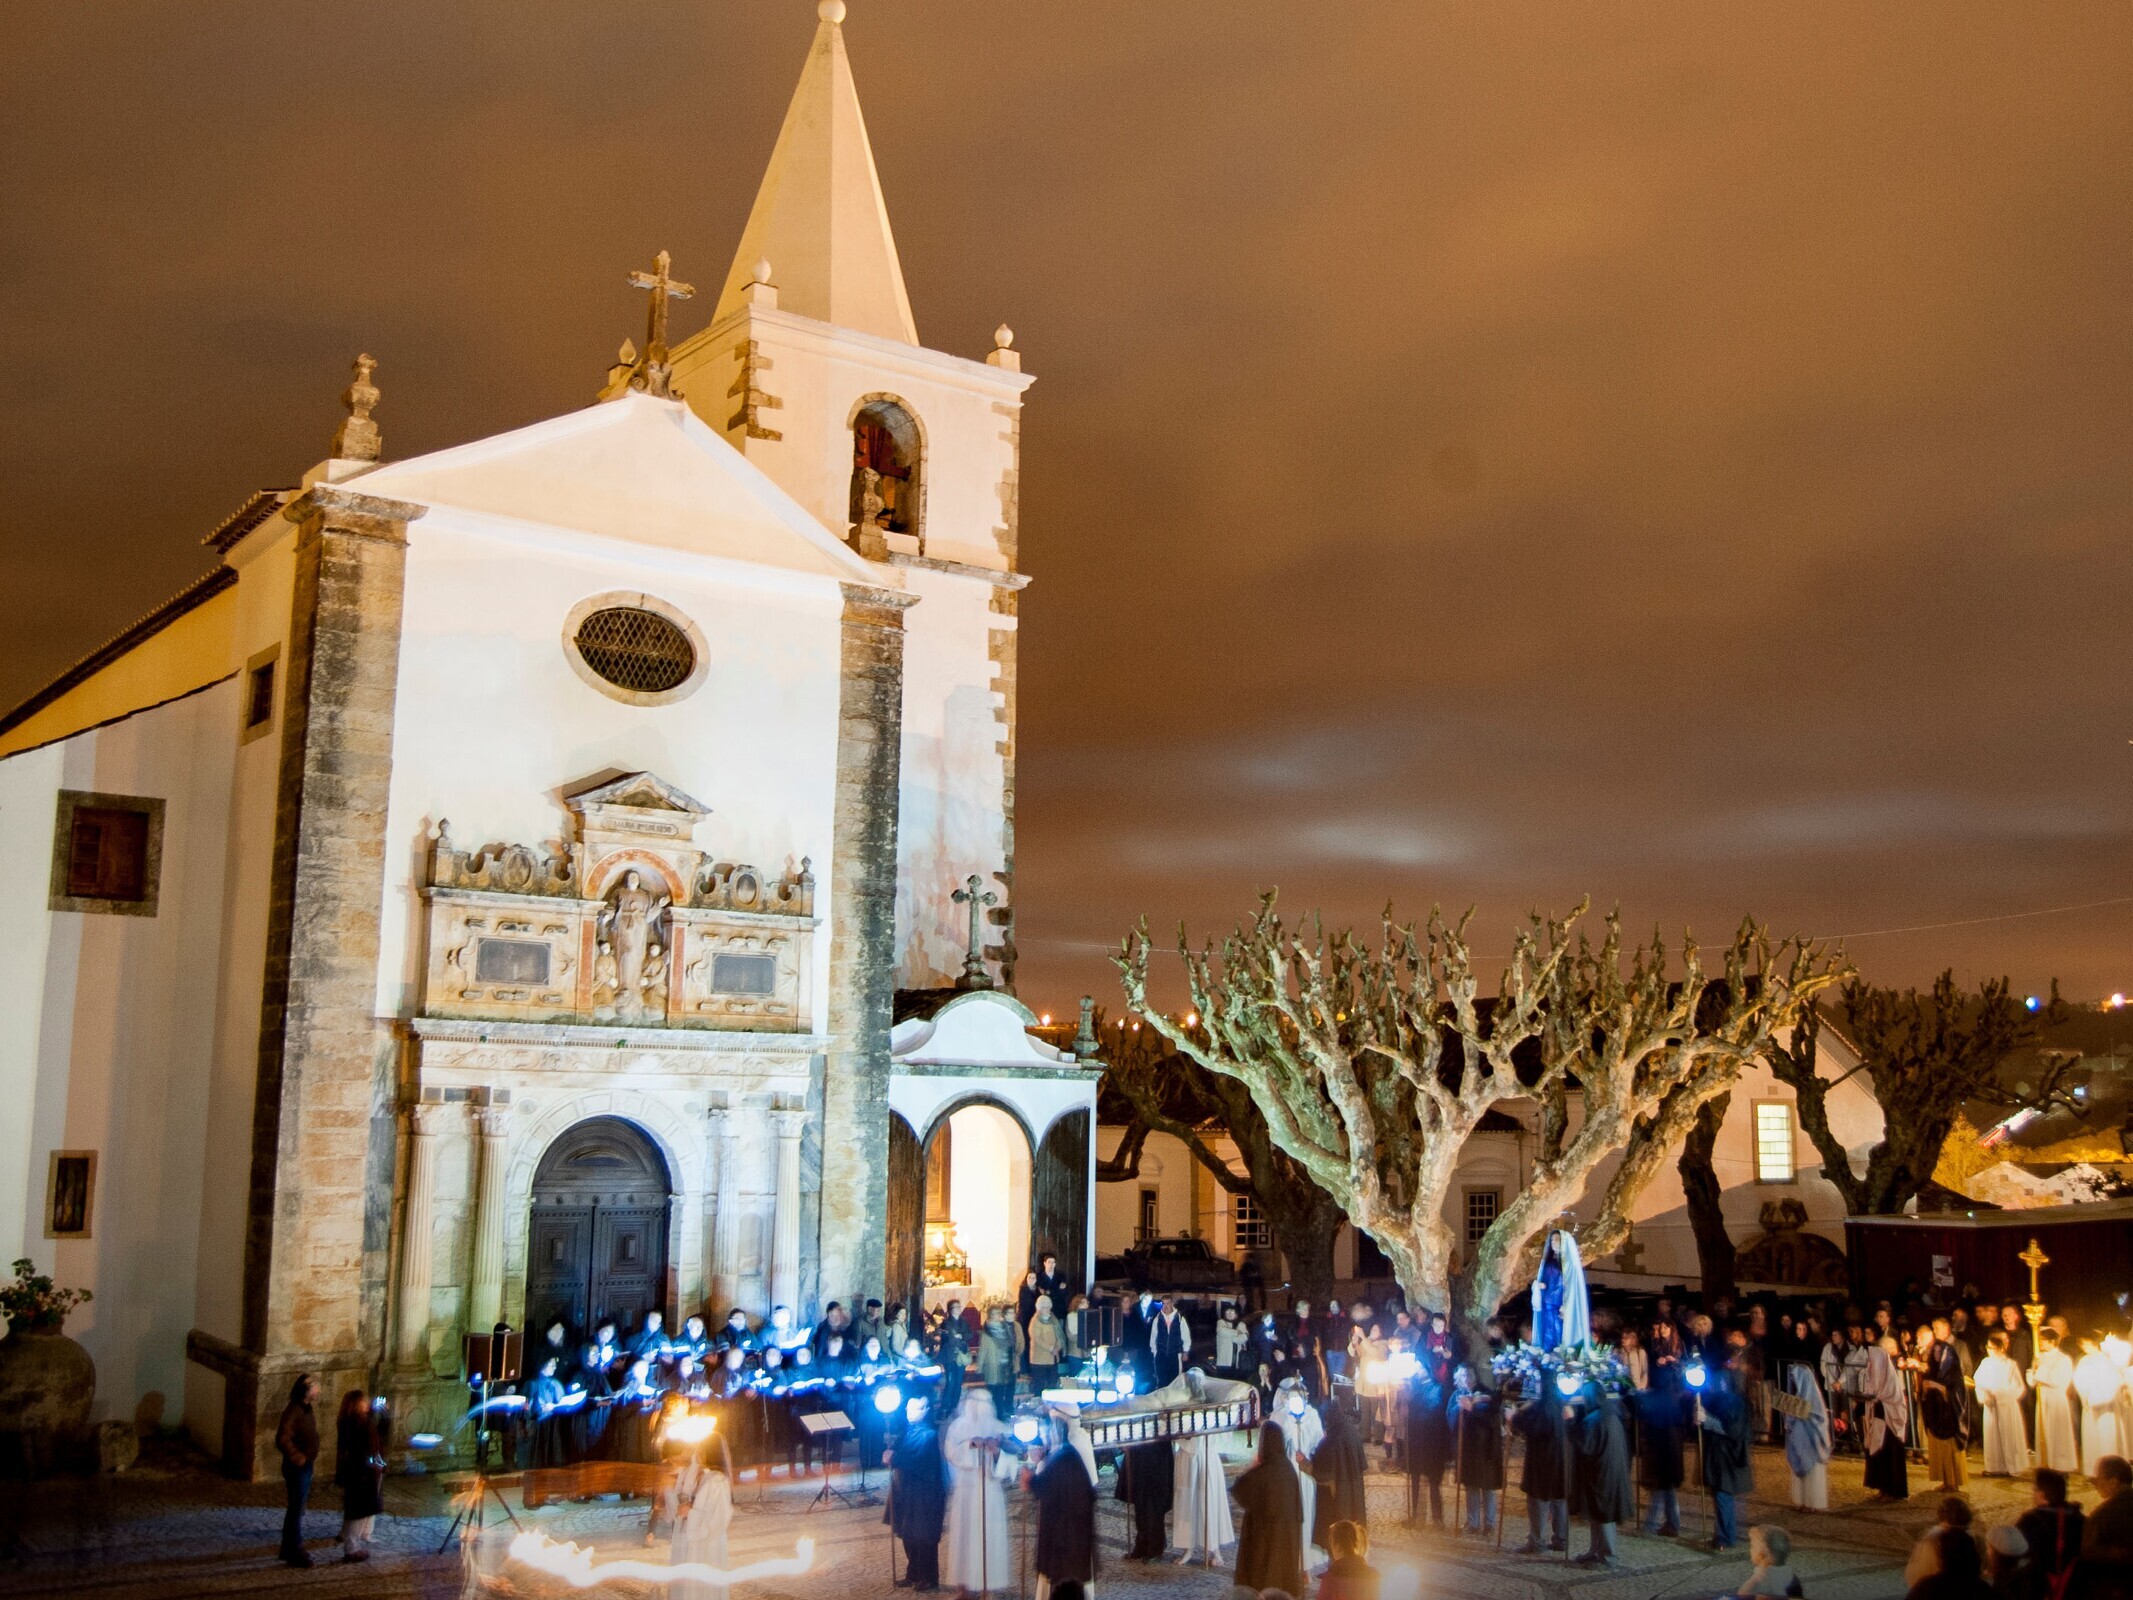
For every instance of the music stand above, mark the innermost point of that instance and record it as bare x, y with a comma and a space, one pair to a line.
817, 1424
485, 1358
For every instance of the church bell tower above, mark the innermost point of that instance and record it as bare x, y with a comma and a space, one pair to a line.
813, 370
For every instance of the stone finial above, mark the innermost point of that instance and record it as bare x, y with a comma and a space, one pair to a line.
830, 10
1004, 353
357, 438
759, 291
1086, 1046
1003, 337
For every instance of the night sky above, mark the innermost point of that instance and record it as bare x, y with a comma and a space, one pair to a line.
1480, 454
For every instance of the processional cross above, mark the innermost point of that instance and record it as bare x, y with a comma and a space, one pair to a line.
2033, 1312
974, 895
652, 375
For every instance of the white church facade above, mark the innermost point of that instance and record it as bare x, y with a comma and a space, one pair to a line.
565, 875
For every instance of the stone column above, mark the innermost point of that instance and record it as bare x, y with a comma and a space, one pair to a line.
317, 1244
418, 1220
485, 1286
785, 1225
722, 1272
862, 975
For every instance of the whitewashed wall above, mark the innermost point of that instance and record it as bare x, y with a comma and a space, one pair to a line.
110, 1029
492, 726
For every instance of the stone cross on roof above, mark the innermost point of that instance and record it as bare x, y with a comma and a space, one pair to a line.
653, 374
977, 898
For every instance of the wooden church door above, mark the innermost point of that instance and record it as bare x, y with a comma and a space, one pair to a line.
596, 1247
1059, 1198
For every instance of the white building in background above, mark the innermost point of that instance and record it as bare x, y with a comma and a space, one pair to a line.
1784, 1216
491, 890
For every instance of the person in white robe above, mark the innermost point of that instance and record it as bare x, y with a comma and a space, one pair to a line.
1807, 1439
2052, 1377
1999, 1388
1304, 1432
704, 1511
2100, 1382
1200, 1514
2120, 1354
977, 1555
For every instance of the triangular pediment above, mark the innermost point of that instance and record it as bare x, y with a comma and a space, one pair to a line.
638, 469
639, 791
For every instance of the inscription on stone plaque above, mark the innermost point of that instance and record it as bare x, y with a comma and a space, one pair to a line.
744, 974
517, 961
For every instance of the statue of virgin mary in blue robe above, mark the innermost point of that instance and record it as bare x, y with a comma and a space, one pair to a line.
1562, 1311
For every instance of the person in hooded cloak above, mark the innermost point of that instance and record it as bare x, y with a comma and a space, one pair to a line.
1807, 1440
1301, 1428
1337, 1470
1886, 1413
1664, 1417
704, 1497
1426, 1440
918, 1496
1204, 1525
1147, 1481
1064, 1488
1270, 1548
1545, 1474
1601, 1490
981, 1556
1477, 1441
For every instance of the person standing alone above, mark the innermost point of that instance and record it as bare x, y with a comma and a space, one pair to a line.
296, 1437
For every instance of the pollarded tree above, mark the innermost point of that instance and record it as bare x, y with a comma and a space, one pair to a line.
1374, 1065
1158, 1089
1925, 1054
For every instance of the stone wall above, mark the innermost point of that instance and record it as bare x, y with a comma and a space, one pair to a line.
855, 1089
314, 1261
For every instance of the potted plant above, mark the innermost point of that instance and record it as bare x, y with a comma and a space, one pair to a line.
47, 1381
34, 1304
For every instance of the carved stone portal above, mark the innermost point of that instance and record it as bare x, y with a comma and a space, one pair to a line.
1785, 1253
629, 923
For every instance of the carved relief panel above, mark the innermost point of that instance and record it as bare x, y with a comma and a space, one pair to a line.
628, 924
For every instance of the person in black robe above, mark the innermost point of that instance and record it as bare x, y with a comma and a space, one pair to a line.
1728, 1435
1339, 1467
918, 1497
735, 1334
1147, 1481
1426, 1442
1664, 1416
551, 1418
1051, 1281
1131, 1353
1310, 1353
1064, 1488
1601, 1491
1264, 1354
1270, 1542
1545, 1474
1477, 1446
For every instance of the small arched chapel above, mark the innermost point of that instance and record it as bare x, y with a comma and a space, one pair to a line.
566, 875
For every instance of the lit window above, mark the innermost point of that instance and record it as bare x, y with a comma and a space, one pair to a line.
1253, 1231
1773, 1141
1481, 1208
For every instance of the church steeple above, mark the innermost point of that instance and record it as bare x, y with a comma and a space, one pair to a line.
819, 218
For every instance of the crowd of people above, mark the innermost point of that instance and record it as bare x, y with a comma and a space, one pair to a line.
1649, 1412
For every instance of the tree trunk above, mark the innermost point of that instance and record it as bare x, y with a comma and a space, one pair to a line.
1307, 1251
1715, 1255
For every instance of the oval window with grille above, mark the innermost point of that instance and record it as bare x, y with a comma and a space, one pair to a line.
635, 648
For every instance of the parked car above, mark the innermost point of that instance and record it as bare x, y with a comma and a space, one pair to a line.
1176, 1266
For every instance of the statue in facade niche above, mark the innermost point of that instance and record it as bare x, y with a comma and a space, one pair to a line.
628, 924
652, 987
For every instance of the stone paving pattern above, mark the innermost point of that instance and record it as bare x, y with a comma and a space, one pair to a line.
172, 1528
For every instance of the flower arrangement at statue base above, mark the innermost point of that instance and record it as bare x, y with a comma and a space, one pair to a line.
1530, 1365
